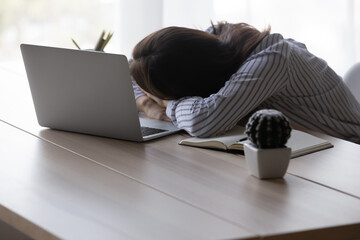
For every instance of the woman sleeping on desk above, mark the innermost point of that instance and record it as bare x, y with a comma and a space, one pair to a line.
207, 82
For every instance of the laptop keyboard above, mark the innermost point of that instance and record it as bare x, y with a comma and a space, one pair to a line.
146, 131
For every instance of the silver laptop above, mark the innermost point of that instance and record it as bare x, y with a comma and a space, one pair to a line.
87, 92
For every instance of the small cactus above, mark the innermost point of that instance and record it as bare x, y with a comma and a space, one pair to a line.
268, 128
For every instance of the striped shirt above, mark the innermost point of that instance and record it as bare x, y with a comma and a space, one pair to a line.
280, 74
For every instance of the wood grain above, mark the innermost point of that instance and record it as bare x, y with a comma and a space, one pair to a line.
47, 192
220, 183
337, 167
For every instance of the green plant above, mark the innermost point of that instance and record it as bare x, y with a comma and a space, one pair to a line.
268, 128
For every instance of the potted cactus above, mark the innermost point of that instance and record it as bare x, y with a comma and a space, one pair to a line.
266, 154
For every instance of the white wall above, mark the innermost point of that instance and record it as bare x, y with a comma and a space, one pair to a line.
187, 13
137, 19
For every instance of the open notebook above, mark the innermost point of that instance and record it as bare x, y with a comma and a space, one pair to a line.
301, 143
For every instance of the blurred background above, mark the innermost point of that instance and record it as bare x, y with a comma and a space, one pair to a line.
329, 28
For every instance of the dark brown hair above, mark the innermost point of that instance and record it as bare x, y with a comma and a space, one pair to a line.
175, 62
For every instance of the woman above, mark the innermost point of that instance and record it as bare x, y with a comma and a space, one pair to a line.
207, 82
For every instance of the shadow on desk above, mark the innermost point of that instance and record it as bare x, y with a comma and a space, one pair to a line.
8, 232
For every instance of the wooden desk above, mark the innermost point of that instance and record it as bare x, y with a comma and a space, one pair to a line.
48, 192
217, 183
337, 168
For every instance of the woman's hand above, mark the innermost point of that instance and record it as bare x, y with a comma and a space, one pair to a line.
160, 102
155, 109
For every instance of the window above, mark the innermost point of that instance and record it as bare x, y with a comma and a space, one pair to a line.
329, 28
54, 23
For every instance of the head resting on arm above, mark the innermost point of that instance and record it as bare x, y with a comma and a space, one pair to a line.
175, 62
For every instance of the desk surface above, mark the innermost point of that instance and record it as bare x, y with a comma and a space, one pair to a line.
60, 194
319, 196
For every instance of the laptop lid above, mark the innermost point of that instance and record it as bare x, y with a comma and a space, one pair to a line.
83, 91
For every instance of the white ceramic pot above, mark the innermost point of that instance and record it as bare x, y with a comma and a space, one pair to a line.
268, 162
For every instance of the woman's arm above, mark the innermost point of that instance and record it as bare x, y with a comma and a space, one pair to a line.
151, 108
259, 78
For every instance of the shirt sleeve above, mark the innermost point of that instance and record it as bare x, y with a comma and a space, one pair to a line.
136, 88
137, 91
259, 78
210, 30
